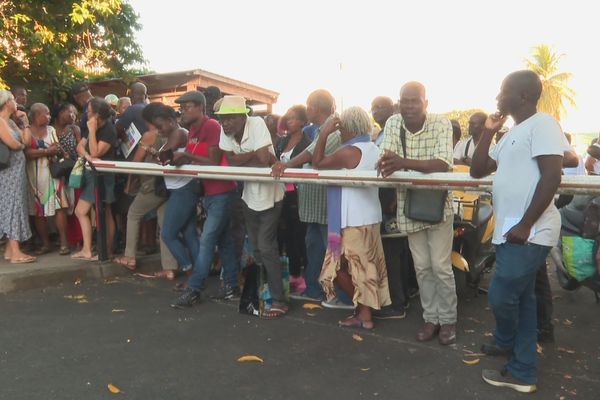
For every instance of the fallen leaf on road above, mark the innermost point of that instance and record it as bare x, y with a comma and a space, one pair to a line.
311, 306
78, 282
573, 392
567, 322
311, 314
357, 337
568, 376
471, 361
488, 334
113, 389
75, 297
469, 330
250, 358
118, 310
565, 350
365, 369
82, 301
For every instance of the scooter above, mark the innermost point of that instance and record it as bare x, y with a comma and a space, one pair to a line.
473, 253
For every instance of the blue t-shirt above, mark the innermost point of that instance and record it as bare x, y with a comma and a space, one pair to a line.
311, 131
133, 114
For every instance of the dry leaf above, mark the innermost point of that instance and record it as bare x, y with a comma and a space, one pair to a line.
250, 358
365, 369
568, 376
469, 330
118, 310
567, 322
311, 314
82, 301
471, 361
564, 350
78, 282
113, 389
488, 334
75, 297
357, 337
311, 306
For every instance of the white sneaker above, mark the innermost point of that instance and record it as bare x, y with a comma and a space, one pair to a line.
337, 304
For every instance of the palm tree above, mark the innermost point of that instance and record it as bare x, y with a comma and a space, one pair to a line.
556, 91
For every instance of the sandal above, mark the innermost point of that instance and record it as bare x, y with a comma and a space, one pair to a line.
277, 310
353, 322
167, 274
127, 262
64, 251
23, 260
79, 256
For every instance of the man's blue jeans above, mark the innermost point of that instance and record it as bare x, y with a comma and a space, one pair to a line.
216, 232
512, 299
180, 217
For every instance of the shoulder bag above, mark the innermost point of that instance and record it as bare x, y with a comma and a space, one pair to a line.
60, 168
425, 205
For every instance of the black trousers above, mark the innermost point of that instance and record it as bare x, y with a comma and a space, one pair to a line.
543, 296
400, 267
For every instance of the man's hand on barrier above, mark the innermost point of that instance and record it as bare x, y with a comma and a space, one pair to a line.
389, 163
277, 169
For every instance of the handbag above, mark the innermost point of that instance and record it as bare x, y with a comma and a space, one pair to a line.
425, 205
76, 177
4, 156
60, 168
579, 256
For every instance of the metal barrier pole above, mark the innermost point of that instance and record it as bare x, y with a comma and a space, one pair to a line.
100, 214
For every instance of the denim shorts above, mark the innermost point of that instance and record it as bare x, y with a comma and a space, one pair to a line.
88, 190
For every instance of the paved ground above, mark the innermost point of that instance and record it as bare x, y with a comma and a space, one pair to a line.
71, 341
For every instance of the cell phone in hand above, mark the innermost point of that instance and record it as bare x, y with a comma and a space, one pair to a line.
165, 156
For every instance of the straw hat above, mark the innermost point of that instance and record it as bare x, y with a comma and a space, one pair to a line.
233, 105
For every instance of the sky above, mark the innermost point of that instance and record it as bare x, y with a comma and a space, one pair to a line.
461, 50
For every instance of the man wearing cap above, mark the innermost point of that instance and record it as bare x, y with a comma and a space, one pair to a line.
219, 196
80, 92
246, 142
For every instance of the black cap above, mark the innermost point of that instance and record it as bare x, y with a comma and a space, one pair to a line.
194, 96
79, 87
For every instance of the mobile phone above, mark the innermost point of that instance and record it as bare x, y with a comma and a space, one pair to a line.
165, 156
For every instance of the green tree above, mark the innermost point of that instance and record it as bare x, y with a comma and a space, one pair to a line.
47, 44
556, 91
462, 116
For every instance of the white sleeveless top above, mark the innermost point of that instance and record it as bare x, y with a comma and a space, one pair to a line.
360, 205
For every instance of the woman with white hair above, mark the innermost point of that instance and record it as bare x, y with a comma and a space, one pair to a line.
50, 197
354, 259
14, 222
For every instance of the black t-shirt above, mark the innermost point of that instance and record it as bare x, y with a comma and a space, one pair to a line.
133, 114
106, 133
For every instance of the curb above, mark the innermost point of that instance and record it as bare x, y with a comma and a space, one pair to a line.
42, 277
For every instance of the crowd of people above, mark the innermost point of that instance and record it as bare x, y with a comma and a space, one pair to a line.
330, 237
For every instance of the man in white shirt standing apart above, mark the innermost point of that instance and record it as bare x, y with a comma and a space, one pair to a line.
528, 162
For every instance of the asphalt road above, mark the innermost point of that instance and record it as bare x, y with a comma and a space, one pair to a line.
70, 342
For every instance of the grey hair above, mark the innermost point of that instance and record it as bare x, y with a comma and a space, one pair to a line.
5, 95
36, 108
357, 121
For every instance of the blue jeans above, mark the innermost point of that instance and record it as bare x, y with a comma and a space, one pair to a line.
316, 244
512, 299
216, 231
180, 217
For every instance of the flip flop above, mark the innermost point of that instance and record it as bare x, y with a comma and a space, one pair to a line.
276, 311
121, 260
354, 322
82, 257
23, 260
64, 251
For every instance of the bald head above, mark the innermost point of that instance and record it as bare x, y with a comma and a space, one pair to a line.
138, 92
414, 86
413, 105
382, 108
528, 83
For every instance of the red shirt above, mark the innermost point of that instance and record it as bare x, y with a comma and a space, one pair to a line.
201, 136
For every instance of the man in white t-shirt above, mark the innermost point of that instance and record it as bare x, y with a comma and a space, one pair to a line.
246, 141
528, 162
464, 149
